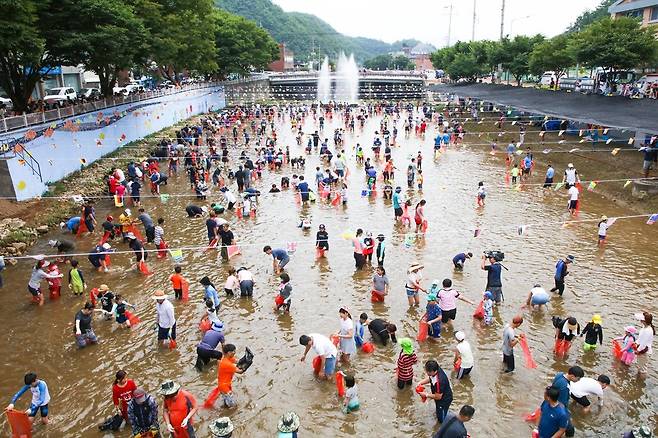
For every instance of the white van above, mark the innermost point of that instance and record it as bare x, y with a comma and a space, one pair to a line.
547, 77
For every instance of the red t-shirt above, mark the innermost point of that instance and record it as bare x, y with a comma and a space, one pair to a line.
179, 407
121, 395
176, 281
225, 371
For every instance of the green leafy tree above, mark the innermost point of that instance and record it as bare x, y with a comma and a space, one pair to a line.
389, 62
589, 17
464, 66
555, 54
618, 44
181, 36
241, 45
105, 36
515, 55
24, 57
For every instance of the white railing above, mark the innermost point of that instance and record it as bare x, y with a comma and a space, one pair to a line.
26, 120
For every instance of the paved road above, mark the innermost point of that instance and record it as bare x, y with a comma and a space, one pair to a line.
619, 112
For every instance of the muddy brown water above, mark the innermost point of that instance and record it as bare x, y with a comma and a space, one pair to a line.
615, 282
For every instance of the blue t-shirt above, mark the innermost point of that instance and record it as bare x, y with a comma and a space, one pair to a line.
396, 200
437, 140
279, 254
211, 293
561, 383
527, 161
211, 224
303, 188
511, 148
433, 312
493, 275
552, 419
550, 172
446, 138
459, 258
73, 223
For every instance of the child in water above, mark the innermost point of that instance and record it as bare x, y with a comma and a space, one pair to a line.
406, 360
232, 284
360, 330
482, 193
488, 308
177, 282
593, 332
351, 398
628, 345
420, 179
119, 310
285, 289
515, 174
76, 280
380, 251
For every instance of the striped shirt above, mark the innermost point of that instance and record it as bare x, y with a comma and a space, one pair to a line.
405, 366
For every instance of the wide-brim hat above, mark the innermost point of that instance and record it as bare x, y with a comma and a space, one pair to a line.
289, 422
407, 345
415, 267
571, 258
159, 295
169, 388
103, 288
221, 427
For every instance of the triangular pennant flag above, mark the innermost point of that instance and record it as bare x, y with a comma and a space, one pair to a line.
608, 141
545, 151
582, 140
611, 221
652, 219
631, 140
615, 151
627, 183
559, 185
591, 185
574, 150
561, 142
514, 123
176, 255
560, 133
605, 131
580, 133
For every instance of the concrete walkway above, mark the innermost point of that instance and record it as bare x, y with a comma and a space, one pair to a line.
612, 111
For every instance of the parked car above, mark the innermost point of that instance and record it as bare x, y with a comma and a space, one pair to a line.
547, 78
89, 93
60, 95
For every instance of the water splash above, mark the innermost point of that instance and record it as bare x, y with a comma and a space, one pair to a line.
347, 79
324, 82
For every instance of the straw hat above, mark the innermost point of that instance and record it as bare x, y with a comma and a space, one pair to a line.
415, 267
159, 295
169, 388
289, 422
221, 427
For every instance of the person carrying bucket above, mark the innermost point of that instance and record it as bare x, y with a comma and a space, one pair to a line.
40, 397
326, 352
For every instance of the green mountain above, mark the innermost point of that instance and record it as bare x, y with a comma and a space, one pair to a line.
305, 34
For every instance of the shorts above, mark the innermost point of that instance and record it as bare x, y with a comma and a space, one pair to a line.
447, 315
463, 372
398, 212
418, 221
582, 401
43, 410
33, 291
601, 238
411, 292
329, 365
526, 171
573, 204
284, 262
535, 301
163, 333
228, 400
121, 319
497, 292
340, 173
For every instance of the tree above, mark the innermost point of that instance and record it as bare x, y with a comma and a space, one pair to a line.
464, 66
95, 33
517, 53
555, 55
589, 17
241, 45
464, 60
389, 62
181, 36
24, 58
618, 44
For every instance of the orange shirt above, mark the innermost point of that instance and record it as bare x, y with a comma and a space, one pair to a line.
225, 371
179, 407
176, 281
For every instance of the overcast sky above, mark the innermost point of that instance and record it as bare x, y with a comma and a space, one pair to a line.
427, 20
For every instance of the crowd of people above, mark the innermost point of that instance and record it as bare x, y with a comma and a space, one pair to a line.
224, 158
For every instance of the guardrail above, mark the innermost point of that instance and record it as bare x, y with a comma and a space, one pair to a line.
25, 120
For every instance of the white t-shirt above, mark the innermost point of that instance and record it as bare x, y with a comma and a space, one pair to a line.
603, 228
230, 198
231, 282
413, 277
323, 346
466, 354
539, 292
570, 175
165, 313
245, 275
573, 193
346, 325
645, 339
220, 221
586, 386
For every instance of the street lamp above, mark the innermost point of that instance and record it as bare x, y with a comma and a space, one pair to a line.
449, 22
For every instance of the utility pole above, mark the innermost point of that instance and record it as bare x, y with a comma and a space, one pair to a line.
502, 20
449, 24
474, 15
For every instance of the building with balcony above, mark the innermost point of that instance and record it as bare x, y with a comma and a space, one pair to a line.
644, 10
